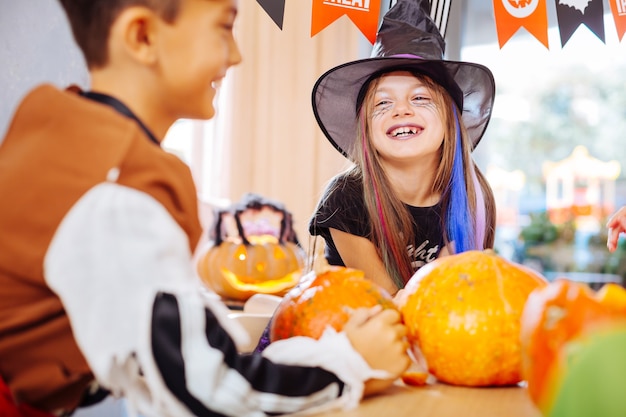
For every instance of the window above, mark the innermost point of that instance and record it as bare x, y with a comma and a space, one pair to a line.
203, 146
548, 103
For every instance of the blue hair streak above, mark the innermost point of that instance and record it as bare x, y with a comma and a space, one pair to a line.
459, 222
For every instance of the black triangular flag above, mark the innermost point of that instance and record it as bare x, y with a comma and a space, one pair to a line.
275, 9
570, 18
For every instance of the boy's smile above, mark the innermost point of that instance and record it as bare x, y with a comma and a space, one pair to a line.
196, 51
165, 70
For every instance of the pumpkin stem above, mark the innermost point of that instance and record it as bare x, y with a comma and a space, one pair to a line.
253, 202
217, 231
242, 234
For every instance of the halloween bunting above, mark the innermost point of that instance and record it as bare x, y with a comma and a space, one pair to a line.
509, 15
512, 15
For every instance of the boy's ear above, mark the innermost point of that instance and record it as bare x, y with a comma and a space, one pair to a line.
133, 34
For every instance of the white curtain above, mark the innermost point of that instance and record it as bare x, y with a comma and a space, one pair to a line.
270, 141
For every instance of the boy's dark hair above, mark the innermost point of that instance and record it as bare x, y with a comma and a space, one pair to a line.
91, 22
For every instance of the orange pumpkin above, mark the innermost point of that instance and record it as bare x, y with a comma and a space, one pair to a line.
325, 299
557, 322
252, 257
463, 313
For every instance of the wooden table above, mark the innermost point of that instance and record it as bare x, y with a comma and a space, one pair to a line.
440, 400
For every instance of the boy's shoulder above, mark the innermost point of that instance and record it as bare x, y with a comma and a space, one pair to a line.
46, 103
55, 127
47, 111
46, 100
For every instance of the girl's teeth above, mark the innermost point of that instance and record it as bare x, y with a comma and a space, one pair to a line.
402, 131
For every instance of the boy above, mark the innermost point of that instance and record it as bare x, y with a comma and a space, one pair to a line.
98, 229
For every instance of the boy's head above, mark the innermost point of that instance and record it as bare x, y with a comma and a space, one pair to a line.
91, 22
163, 58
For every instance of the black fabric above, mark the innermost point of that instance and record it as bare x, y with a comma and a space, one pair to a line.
342, 208
263, 375
266, 376
120, 108
167, 348
94, 397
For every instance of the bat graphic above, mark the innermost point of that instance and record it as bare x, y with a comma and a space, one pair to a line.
520, 8
576, 4
520, 3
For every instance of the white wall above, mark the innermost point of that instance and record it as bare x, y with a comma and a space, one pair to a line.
36, 46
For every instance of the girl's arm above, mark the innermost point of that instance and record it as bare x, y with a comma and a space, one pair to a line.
359, 253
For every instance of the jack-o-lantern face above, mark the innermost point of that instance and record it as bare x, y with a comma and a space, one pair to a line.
262, 256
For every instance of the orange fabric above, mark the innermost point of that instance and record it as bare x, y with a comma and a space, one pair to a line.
512, 15
618, 8
58, 146
363, 14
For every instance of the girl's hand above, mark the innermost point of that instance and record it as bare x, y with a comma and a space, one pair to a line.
616, 226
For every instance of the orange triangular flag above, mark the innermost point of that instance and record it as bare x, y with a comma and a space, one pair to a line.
511, 15
618, 7
363, 13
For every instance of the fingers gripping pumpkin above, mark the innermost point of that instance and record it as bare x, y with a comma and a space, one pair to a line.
463, 313
258, 253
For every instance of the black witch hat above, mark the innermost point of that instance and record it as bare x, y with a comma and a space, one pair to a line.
407, 39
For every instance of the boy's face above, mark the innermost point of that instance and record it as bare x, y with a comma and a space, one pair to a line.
195, 52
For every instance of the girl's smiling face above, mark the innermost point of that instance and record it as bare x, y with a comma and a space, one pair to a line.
405, 121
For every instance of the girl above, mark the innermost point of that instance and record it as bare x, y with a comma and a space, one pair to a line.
414, 192
409, 121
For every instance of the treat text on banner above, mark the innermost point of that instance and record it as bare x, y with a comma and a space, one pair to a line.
363, 13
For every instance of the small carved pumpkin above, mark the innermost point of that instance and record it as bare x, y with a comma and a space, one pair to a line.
463, 313
325, 299
558, 322
257, 254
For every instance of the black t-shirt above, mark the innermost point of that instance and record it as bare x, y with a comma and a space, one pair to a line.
344, 209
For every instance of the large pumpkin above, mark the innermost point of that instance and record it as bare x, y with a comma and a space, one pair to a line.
325, 299
558, 324
252, 257
463, 313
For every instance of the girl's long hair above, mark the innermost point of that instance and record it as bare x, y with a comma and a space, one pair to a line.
467, 203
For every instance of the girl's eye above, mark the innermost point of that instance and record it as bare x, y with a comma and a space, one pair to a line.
421, 101
382, 103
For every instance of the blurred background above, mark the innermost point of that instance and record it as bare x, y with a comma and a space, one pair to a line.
553, 151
